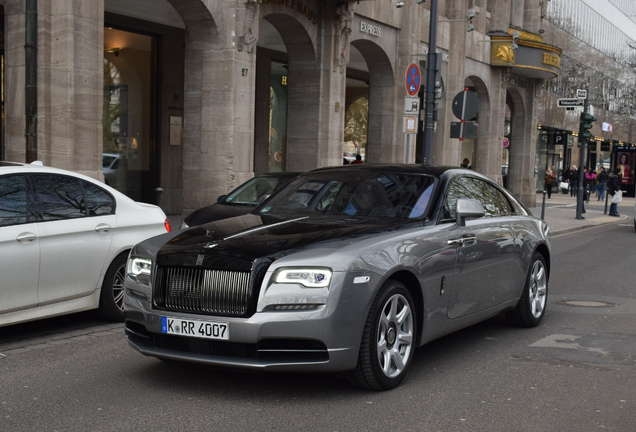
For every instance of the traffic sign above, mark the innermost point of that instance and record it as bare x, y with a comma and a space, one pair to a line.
581, 93
570, 102
411, 105
469, 130
413, 79
465, 110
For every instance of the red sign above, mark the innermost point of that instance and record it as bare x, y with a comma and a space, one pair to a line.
413, 79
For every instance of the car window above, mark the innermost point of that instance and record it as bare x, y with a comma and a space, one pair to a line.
493, 200
58, 197
252, 191
500, 204
369, 194
98, 201
13, 201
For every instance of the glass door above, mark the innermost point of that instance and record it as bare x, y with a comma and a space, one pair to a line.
127, 118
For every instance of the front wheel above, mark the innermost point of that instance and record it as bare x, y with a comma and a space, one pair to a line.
531, 307
388, 341
111, 300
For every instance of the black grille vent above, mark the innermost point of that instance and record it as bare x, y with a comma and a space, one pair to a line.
197, 290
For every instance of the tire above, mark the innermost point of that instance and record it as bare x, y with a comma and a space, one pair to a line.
531, 307
388, 340
111, 299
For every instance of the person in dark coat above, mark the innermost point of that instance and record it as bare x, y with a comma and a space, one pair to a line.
613, 186
602, 178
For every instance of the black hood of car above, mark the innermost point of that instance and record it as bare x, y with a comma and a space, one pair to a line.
228, 242
217, 211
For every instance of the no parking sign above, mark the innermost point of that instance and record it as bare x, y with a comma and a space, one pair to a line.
413, 79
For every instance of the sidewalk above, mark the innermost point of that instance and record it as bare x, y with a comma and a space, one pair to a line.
560, 213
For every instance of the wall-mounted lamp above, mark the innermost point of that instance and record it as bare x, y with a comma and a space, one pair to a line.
113, 51
515, 38
399, 4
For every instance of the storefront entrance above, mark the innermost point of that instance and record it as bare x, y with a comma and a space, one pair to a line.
127, 118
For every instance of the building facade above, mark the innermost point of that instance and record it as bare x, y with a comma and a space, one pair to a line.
196, 96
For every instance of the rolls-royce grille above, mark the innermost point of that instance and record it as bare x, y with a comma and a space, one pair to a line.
217, 292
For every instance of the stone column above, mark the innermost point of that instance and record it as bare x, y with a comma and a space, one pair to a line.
14, 80
69, 83
489, 144
526, 155
219, 101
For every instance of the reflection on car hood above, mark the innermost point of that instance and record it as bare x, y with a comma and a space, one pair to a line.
251, 236
217, 211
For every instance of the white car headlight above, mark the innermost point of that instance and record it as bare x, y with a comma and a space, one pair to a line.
308, 277
139, 270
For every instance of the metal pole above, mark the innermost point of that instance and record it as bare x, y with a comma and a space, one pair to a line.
429, 105
30, 82
583, 141
543, 206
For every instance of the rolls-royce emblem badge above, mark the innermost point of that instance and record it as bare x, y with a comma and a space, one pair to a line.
199, 260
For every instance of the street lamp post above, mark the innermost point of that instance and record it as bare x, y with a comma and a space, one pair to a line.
429, 103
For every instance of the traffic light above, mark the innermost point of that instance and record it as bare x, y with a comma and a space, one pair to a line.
586, 125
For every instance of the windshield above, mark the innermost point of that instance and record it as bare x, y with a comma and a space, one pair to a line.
250, 192
367, 194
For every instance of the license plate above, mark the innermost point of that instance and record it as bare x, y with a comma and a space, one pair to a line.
195, 328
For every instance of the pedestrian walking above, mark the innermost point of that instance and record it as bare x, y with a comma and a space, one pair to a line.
614, 188
589, 182
549, 178
573, 175
602, 183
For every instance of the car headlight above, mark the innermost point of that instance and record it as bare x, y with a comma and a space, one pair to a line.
139, 269
308, 277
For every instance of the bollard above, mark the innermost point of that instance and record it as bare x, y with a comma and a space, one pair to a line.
543, 206
158, 193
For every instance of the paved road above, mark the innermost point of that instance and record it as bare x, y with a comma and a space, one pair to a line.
575, 372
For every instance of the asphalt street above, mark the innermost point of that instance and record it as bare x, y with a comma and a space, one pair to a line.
575, 372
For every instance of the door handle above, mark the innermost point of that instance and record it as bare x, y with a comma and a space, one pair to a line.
25, 237
102, 228
468, 238
465, 239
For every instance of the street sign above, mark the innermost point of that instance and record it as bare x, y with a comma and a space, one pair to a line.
469, 132
569, 102
581, 93
413, 79
411, 106
467, 110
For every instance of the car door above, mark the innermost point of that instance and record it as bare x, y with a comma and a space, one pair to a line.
486, 249
75, 236
19, 247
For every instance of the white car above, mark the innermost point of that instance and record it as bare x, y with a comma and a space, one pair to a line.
64, 242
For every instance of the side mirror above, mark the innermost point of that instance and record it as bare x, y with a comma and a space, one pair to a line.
262, 199
221, 198
468, 208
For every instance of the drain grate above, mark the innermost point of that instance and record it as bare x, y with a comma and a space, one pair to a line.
585, 303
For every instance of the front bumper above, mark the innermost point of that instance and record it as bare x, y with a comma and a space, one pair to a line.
325, 338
